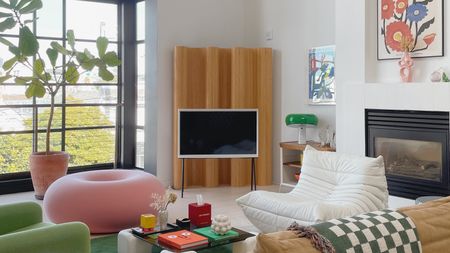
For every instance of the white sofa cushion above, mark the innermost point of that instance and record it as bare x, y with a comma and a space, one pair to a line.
332, 185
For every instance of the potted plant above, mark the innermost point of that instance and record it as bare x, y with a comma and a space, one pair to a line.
46, 167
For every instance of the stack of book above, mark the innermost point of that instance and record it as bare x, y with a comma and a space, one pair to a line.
182, 239
214, 238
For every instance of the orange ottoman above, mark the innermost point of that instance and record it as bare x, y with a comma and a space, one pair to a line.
106, 200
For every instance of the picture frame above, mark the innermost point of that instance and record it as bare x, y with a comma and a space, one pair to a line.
421, 22
322, 85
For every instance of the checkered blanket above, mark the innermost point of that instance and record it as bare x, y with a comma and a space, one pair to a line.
376, 232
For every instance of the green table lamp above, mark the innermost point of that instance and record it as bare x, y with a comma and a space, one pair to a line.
301, 121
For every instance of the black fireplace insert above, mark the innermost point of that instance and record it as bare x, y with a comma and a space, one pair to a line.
414, 145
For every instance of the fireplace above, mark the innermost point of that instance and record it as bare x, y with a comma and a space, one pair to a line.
414, 145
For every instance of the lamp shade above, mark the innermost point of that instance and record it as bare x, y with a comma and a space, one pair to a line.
295, 120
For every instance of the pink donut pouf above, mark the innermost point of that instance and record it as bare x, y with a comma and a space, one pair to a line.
106, 200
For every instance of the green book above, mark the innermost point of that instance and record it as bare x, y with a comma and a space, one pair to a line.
213, 237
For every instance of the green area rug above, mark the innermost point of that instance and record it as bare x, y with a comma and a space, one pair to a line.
108, 244
105, 244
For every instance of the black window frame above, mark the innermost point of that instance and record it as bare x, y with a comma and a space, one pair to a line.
126, 105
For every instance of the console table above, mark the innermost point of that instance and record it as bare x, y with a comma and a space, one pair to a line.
291, 155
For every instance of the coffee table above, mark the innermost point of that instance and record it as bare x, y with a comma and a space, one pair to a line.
150, 244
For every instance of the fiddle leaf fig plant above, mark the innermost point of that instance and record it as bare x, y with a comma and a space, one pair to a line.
47, 79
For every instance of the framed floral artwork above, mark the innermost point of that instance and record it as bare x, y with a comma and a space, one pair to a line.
322, 88
419, 22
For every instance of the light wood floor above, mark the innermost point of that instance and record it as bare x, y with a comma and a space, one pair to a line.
222, 200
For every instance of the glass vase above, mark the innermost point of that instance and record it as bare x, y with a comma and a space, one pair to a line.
163, 218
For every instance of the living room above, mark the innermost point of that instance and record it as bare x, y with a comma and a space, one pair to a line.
135, 112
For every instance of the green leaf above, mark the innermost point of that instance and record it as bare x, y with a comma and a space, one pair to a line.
22, 79
9, 63
35, 89
15, 50
38, 66
5, 15
13, 4
111, 59
6, 42
28, 43
105, 74
426, 2
72, 74
85, 62
46, 76
52, 55
22, 3
4, 78
445, 77
30, 20
7, 24
88, 54
425, 26
4, 4
31, 7
55, 45
71, 39
102, 45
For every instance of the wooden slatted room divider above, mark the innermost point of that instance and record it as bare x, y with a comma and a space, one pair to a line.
224, 78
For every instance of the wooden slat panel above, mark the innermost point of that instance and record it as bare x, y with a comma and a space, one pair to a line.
264, 95
189, 69
218, 83
243, 95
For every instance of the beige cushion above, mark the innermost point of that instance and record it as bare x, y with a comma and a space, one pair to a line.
285, 241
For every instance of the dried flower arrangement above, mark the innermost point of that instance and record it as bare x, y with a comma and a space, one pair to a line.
160, 203
406, 44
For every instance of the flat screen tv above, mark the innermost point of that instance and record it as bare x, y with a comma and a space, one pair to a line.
217, 133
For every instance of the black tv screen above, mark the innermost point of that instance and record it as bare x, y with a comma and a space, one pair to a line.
217, 133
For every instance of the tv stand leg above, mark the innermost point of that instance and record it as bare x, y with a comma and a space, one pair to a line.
182, 178
253, 176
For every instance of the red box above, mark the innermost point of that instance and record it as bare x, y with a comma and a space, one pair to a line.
200, 216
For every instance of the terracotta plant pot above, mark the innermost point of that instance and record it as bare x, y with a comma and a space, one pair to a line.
45, 169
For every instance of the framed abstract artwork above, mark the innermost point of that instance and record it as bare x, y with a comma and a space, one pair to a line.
322, 90
418, 22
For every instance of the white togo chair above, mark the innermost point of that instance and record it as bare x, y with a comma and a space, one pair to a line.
332, 185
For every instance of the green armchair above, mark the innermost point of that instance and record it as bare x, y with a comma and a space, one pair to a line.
22, 230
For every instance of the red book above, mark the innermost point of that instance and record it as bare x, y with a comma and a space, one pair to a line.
182, 239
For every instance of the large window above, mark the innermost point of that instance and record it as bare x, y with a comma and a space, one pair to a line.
140, 91
87, 116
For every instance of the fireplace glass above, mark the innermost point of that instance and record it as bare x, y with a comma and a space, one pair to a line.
411, 158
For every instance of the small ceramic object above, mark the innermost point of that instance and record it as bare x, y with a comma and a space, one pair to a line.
436, 76
221, 224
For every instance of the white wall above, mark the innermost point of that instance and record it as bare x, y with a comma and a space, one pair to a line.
194, 23
296, 27
350, 57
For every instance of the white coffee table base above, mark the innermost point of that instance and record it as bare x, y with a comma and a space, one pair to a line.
128, 243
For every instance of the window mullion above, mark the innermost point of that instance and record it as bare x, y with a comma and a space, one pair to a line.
63, 88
